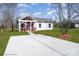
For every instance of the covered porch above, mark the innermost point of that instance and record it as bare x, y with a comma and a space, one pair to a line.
25, 25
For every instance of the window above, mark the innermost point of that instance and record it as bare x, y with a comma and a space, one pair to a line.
22, 25
39, 25
49, 25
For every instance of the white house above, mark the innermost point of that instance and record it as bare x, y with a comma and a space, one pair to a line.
34, 24
76, 22
77, 25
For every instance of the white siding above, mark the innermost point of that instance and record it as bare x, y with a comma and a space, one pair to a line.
44, 26
76, 25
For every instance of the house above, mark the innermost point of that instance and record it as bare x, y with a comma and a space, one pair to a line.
34, 24
76, 23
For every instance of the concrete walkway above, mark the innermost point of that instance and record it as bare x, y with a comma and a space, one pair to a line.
40, 45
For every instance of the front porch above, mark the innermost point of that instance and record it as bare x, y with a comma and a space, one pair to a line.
26, 25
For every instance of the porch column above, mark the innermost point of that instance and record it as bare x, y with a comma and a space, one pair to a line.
19, 26
25, 25
30, 26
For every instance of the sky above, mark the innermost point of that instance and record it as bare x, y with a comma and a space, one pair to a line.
40, 10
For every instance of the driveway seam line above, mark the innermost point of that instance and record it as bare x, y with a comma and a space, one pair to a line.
49, 47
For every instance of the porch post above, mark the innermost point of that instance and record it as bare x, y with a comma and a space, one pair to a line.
19, 26
30, 25
25, 25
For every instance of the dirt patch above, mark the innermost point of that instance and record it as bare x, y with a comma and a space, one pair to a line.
64, 36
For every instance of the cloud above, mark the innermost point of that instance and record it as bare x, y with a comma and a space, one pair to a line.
47, 9
32, 4
49, 4
63, 5
54, 17
21, 10
65, 13
37, 13
22, 14
50, 12
23, 5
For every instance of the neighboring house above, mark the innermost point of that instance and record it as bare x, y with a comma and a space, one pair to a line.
34, 24
76, 23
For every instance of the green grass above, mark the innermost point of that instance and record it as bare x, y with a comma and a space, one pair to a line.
5, 34
54, 32
4, 37
74, 33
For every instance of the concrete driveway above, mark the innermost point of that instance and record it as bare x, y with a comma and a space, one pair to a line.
40, 45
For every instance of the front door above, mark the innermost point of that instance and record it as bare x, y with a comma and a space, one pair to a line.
29, 25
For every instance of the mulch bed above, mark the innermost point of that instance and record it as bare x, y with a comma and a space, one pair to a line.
64, 36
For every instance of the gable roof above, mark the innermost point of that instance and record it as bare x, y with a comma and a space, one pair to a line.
43, 20
27, 18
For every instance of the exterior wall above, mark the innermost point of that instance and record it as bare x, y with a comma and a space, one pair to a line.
44, 26
76, 25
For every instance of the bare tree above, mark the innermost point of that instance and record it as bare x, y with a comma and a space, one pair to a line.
9, 13
64, 22
61, 17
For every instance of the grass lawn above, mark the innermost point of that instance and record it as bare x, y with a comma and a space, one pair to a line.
74, 33
4, 37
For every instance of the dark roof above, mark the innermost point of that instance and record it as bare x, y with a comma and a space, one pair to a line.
27, 18
37, 19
